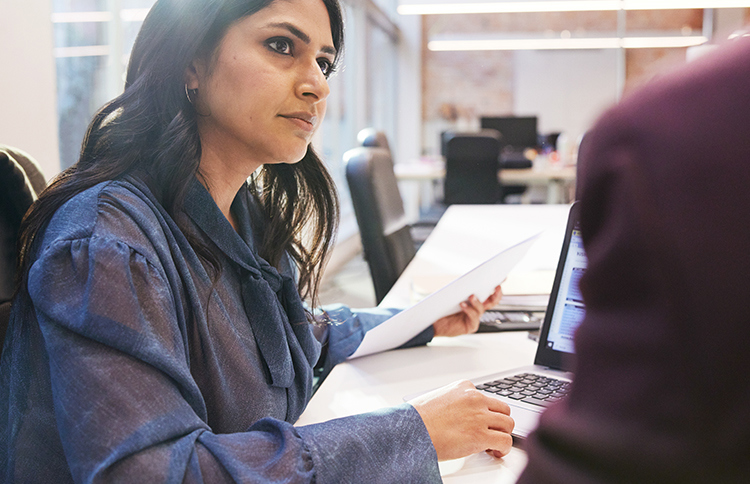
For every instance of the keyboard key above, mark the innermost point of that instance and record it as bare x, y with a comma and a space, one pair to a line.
527, 386
536, 401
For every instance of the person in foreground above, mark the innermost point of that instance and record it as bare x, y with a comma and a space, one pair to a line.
158, 334
661, 388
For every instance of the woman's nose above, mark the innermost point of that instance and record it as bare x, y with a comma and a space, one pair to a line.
313, 83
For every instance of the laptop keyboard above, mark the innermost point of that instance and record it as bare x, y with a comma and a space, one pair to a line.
528, 387
495, 320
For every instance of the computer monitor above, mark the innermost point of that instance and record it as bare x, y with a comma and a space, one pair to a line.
518, 132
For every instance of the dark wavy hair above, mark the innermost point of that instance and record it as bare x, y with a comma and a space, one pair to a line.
150, 131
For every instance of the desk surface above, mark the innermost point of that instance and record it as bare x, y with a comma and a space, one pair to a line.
435, 170
533, 176
555, 177
464, 237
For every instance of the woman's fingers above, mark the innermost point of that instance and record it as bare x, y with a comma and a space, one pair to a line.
502, 443
479, 307
472, 310
497, 405
493, 298
476, 305
467, 320
461, 421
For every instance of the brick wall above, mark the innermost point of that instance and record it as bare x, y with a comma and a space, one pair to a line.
458, 86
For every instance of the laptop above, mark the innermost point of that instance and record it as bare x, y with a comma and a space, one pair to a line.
529, 390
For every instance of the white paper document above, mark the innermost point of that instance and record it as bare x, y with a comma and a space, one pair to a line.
480, 281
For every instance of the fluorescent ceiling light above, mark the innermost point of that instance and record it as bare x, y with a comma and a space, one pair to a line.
82, 51
662, 42
134, 14
566, 44
561, 6
507, 7
72, 17
682, 4
127, 15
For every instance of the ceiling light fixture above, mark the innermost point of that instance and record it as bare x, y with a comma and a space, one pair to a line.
126, 14
566, 44
531, 6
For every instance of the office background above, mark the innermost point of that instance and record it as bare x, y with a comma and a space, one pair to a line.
62, 59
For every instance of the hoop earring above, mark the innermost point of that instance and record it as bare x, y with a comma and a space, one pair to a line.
187, 93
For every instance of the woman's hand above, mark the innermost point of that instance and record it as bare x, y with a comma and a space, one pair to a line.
467, 320
461, 421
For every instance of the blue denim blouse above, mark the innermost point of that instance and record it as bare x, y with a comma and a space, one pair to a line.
125, 360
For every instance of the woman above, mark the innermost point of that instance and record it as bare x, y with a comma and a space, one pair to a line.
158, 334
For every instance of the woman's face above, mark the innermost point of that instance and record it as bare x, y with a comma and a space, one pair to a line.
263, 94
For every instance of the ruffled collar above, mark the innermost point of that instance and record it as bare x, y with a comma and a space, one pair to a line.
272, 303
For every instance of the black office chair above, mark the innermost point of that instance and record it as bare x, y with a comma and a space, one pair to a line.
386, 236
21, 181
373, 138
471, 165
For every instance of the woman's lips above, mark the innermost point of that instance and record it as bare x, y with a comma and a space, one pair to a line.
305, 121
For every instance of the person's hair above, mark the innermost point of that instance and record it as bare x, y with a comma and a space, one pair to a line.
150, 131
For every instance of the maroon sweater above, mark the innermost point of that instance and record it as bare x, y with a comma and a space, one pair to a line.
662, 386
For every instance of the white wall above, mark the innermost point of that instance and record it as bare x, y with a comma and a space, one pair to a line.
28, 110
408, 146
567, 90
409, 103
728, 21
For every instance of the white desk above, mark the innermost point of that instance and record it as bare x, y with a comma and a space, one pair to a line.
465, 236
427, 170
558, 180
420, 183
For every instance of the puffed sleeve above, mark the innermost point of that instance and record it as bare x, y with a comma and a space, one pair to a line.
345, 328
127, 408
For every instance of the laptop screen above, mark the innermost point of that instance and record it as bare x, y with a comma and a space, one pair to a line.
568, 311
565, 310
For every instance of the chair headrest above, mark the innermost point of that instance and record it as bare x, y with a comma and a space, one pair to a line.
29, 166
18, 176
473, 145
19, 193
373, 138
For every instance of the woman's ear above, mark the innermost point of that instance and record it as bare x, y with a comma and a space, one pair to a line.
194, 74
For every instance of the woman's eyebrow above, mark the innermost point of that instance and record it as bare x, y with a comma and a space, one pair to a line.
302, 36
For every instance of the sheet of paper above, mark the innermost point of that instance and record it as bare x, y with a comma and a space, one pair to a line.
528, 283
479, 281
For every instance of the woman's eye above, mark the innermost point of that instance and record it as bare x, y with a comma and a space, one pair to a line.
282, 46
326, 66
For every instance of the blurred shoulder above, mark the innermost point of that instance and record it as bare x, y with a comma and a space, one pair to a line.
120, 210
